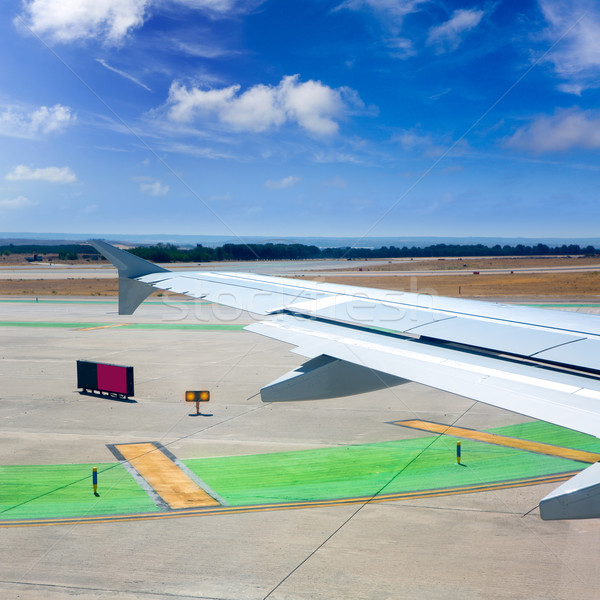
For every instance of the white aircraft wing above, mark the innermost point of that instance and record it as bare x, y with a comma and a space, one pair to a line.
540, 363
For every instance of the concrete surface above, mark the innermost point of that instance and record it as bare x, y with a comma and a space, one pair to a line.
468, 546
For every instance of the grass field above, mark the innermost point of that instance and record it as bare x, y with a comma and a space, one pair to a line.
585, 285
556, 285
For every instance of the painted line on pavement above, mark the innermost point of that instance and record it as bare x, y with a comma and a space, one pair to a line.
502, 440
90, 326
101, 327
222, 510
175, 488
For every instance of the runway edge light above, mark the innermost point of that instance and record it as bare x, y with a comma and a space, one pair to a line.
197, 396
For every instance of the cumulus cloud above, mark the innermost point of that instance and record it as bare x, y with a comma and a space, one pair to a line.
16, 122
51, 174
108, 20
565, 130
576, 59
448, 36
154, 188
72, 20
281, 184
312, 105
16, 203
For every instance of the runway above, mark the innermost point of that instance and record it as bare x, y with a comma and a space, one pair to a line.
446, 541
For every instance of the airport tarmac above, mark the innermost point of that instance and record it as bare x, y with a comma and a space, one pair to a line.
467, 545
321, 267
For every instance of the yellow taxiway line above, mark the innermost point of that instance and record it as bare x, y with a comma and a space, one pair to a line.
221, 510
173, 486
502, 440
100, 327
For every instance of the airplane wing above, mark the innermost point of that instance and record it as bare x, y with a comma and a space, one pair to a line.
540, 363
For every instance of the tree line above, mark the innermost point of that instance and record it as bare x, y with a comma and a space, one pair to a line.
64, 251
247, 252
270, 251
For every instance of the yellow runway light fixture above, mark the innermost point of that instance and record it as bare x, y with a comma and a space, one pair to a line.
197, 396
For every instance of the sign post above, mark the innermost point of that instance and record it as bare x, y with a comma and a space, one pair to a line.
197, 396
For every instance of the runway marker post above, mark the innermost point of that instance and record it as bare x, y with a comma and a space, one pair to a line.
95, 481
458, 451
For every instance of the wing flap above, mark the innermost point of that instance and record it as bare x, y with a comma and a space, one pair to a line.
583, 353
495, 336
565, 399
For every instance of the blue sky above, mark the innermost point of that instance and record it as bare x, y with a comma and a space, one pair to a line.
311, 118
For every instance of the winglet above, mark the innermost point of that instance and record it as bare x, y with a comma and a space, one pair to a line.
131, 292
129, 265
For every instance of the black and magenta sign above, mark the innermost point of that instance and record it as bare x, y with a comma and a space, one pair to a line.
101, 377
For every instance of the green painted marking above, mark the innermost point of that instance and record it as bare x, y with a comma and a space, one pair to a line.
44, 301
32, 301
199, 326
70, 325
546, 433
350, 471
56, 491
45, 491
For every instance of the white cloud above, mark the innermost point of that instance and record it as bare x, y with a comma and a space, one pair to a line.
122, 74
448, 36
51, 174
72, 20
16, 122
312, 105
186, 104
576, 58
16, 203
154, 188
48, 120
565, 130
281, 184
108, 20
